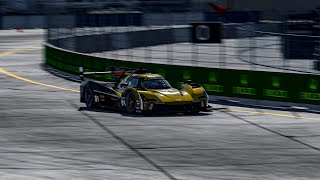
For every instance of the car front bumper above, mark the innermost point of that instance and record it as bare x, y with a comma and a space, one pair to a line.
174, 107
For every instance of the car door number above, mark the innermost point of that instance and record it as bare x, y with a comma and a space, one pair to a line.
123, 101
96, 99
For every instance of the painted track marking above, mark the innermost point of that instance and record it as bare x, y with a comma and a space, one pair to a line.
6, 53
272, 114
34, 82
17, 50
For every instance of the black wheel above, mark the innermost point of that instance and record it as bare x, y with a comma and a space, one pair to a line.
130, 102
88, 97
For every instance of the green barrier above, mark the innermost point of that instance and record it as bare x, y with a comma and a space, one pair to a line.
286, 87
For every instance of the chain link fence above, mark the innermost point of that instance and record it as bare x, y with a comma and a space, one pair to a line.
165, 38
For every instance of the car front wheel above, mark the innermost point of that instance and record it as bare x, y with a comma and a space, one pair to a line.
130, 102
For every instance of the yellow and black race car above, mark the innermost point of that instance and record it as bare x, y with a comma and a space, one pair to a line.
138, 91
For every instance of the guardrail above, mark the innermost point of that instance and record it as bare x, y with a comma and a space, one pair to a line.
274, 86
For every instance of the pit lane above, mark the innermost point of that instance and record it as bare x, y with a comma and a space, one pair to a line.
47, 134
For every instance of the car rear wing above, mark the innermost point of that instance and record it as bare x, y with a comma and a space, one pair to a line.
82, 73
118, 72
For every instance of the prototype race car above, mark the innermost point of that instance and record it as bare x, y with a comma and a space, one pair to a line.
138, 91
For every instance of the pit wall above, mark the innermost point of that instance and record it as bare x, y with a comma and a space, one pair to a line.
127, 40
122, 19
107, 41
274, 86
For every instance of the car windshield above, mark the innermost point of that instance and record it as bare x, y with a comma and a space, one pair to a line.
155, 84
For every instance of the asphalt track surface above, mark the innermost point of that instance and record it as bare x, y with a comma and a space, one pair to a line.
45, 133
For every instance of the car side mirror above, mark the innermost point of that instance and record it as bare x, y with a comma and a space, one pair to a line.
124, 85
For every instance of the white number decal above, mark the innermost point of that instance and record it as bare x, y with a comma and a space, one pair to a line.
123, 101
96, 98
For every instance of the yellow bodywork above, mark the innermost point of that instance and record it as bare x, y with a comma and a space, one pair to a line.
194, 95
172, 95
168, 95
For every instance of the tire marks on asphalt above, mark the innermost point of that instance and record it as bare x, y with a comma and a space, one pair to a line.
124, 142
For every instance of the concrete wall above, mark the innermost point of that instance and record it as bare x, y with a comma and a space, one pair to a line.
270, 5
154, 19
65, 21
270, 9
148, 19
36, 21
124, 40
27, 22
82, 20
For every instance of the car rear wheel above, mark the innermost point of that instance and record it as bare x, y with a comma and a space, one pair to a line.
130, 102
88, 97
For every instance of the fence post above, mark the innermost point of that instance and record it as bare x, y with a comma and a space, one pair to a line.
170, 51
194, 54
253, 48
148, 48
129, 30
222, 55
169, 45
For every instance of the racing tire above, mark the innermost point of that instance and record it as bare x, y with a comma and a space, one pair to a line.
130, 103
88, 97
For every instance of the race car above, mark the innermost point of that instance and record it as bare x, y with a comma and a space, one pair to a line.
139, 91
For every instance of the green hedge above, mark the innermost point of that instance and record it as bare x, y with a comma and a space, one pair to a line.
288, 87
